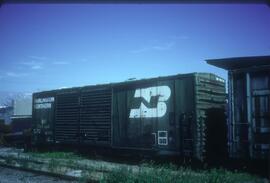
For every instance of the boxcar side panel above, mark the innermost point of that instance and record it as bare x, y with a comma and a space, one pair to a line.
184, 103
43, 118
165, 129
95, 116
141, 115
67, 116
165, 114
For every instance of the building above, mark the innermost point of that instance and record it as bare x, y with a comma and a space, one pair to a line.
18, 114
6, 113
23, 106
249, 105
22, 116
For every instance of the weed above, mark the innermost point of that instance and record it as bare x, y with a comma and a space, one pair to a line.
56, 155
9, 160
52, 165
25, 163
168, 173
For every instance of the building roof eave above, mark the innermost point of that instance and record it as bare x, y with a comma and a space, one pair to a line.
235, 63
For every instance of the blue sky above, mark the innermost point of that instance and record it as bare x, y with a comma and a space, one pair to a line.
45, 46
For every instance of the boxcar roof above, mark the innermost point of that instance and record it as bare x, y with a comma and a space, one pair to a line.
123, 82
235, 63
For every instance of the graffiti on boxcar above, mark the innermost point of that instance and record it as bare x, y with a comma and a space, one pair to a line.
162, 92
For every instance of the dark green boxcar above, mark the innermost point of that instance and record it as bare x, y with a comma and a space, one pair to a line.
43, 117
165, 115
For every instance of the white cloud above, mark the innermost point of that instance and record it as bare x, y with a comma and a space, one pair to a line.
13, 74
84, 60
166, 46
62, 87
88, 58
37, 57
60, 63
35, 67
140, 50
179, 37
33, 64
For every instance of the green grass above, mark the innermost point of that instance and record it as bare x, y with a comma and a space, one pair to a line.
56, 155
152, 173
160, 174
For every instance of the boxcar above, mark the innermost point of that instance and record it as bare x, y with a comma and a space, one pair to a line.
249, 105
165, 115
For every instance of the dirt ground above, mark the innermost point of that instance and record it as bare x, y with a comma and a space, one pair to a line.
8, 175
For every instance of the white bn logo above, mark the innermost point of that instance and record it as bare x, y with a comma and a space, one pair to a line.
163, 93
